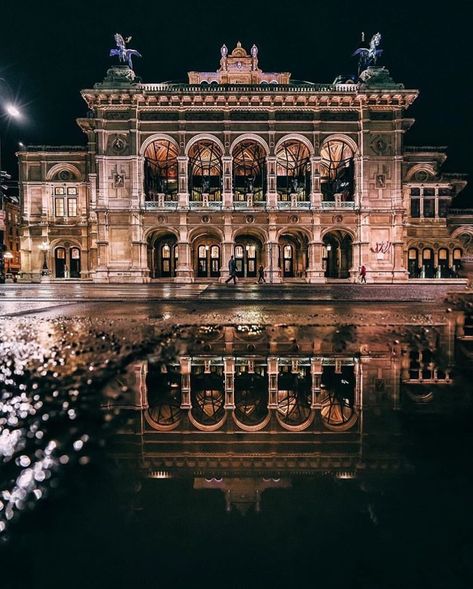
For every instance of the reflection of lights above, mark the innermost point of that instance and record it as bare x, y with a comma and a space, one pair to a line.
345, 475
159, 474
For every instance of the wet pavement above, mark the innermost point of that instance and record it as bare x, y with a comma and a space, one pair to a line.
174, 435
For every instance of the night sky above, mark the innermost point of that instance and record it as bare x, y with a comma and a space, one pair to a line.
49, 50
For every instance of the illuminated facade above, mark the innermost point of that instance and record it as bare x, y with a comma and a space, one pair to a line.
310, 181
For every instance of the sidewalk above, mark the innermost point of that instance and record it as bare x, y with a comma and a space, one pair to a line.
215, 293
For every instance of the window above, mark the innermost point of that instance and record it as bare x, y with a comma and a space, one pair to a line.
415, 207
59, 190
429, 207
444, 204
160, 170
337, 170
415, 191
72, 207
59, 207
72, 190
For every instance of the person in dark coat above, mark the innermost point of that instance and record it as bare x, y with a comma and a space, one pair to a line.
261, 274
363, 274
231, 270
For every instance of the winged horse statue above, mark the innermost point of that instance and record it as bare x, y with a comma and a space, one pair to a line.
369, 57
124, 54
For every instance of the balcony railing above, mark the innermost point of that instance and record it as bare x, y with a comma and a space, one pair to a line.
249, 204
328, 204
204, 204
166, 205
294, 204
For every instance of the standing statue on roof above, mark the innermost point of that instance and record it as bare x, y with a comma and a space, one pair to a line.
124, 54
369, 57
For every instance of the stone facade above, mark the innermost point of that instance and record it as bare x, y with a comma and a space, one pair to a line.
309, 181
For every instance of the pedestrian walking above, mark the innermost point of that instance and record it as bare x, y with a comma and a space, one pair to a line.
231, 271
261, 274
363, 274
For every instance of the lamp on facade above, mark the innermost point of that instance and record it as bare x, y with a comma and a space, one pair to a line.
329, 248
44, 247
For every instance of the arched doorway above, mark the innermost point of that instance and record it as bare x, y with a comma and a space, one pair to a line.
412, 262
162, 256
428, 263
207, 257
75, 262
248, 256
60, 262
338, 254
293, 254
67, 262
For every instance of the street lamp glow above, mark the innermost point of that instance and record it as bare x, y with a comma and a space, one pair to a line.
13, 111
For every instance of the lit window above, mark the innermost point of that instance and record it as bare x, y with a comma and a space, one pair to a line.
72, 207
59, 207
59, 190
72, 190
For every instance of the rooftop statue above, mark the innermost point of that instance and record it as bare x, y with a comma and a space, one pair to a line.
369, 57
124, 54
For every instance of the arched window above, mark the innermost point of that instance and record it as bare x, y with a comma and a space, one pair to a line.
75, 262
160, 171
337, 171
457, 262
208, 261
249, 171
412, 263
60, 262
428, 262
293, 170
444, 269
205, 171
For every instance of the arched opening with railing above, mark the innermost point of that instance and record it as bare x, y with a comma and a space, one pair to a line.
160, 171
337, 171
293, 171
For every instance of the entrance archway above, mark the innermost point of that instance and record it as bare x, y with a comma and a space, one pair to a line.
207, 257
162, 256
293, 254
60, 262
248, 254
338, 254
67, 261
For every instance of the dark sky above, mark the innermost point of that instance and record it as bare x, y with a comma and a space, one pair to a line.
49, 50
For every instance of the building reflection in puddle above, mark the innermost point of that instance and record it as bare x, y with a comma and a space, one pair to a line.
242, 409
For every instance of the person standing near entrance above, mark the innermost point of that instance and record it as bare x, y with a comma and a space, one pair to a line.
231, 270
363, 274
261, 274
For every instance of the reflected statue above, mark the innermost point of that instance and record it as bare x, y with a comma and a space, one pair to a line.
369, 57
124, 55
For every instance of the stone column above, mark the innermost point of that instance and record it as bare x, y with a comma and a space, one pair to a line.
185, 363
229, 371
316, 372
315, 272
271, 193
273, 370
315, 194
227, 195
227, 246
184, 268
183, 187
272, 252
